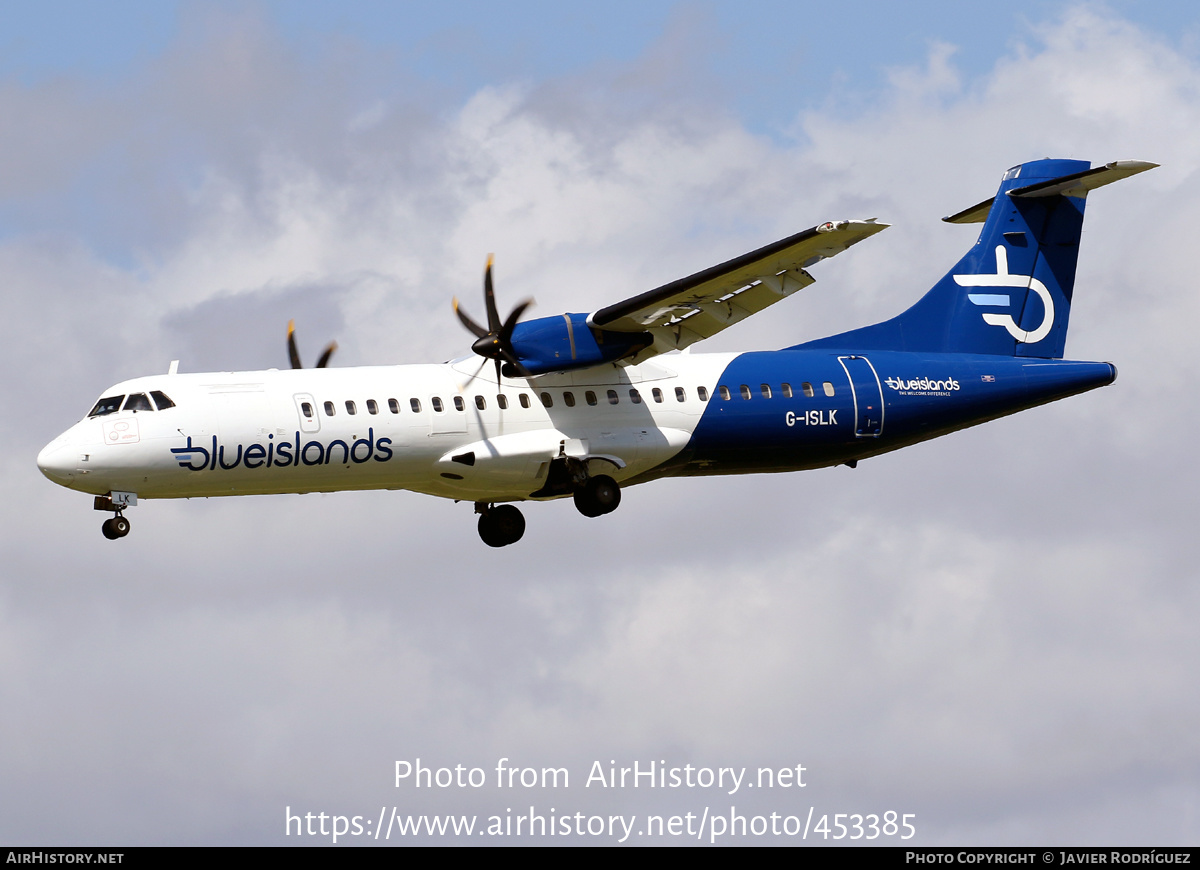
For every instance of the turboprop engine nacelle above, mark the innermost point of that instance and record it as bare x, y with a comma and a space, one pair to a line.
566, 341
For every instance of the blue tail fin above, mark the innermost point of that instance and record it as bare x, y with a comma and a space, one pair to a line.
1011, 293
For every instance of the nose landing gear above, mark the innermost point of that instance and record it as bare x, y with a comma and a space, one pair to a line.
117, 526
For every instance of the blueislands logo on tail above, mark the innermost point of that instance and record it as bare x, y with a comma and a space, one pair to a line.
1003, 278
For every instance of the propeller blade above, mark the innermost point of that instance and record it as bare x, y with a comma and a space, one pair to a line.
471, 379
512, 360
489, 297
495, 342
324, 360
293, 354
470, 324
506, 330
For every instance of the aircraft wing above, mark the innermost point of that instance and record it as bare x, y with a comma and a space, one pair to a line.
701, 305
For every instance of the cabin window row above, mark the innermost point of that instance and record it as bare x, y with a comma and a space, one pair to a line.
766, 392
590, 397
613, 397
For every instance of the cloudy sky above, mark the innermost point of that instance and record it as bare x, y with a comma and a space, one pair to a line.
994, 631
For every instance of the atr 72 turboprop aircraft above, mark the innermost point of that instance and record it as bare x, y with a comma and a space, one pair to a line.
583, 405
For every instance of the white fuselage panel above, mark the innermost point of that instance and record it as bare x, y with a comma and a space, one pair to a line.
385, 427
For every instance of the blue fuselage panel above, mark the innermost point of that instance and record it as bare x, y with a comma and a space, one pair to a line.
799, 409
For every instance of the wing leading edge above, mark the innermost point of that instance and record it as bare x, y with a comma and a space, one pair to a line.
701, 305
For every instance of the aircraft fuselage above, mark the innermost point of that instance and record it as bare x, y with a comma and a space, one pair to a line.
441, 430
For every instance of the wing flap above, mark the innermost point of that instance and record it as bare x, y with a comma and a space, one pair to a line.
701, 305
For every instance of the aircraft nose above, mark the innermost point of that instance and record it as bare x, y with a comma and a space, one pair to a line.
58, 461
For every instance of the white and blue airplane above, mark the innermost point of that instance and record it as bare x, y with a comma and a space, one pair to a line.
583, 405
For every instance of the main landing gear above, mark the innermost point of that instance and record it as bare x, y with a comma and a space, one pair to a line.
598, 496
500, 525
118, 526
595, 495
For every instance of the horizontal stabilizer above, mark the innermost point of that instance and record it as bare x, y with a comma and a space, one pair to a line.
1075, 184
1079, 183
976, 214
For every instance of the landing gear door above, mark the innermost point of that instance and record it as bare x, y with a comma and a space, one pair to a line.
306, 408
868, 396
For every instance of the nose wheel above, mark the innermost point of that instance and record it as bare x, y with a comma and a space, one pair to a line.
117, 527
500, 525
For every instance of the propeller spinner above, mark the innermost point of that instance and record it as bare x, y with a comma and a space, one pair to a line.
294, 354
495, 342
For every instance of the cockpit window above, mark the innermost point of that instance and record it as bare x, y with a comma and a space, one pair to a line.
138, 402
107, 405
162, 400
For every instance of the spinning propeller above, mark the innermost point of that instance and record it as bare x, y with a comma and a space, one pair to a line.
294, 355
495, 342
